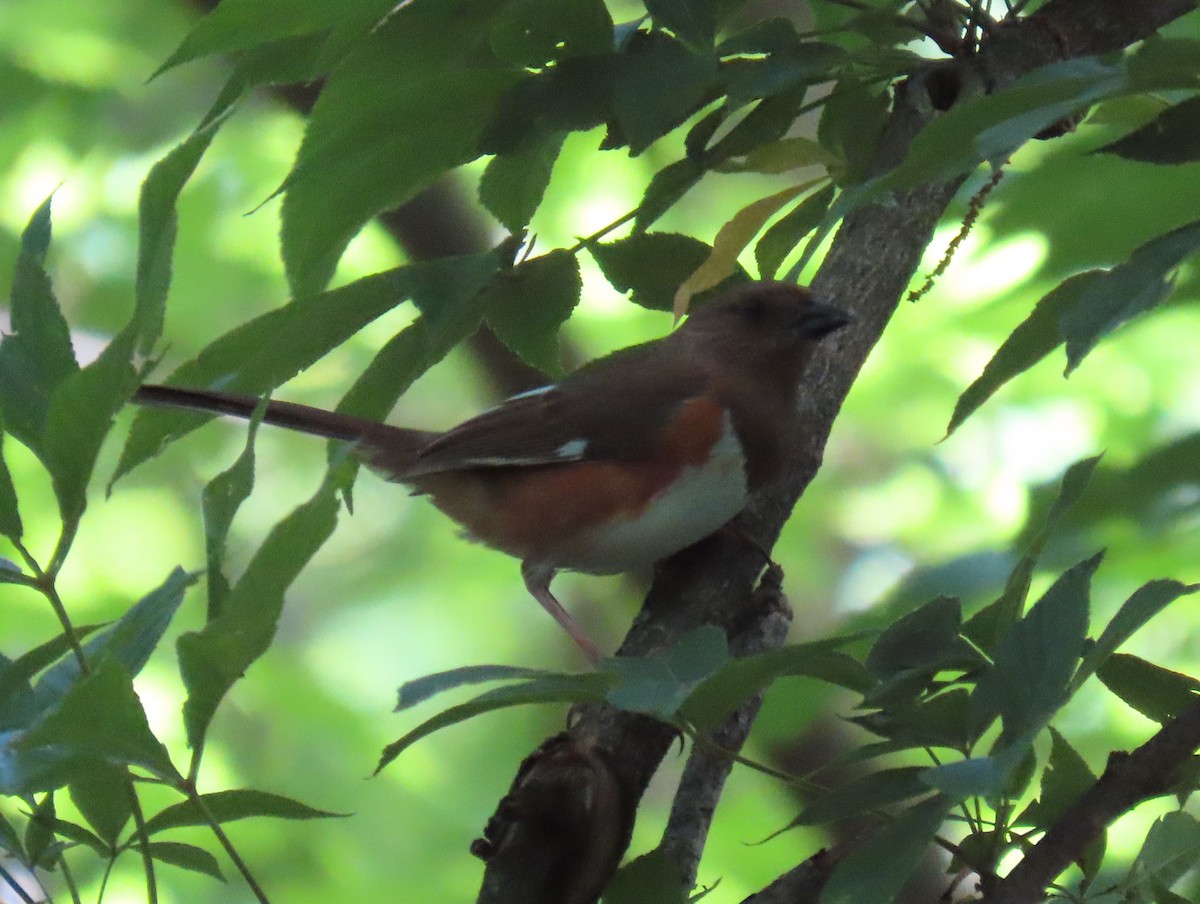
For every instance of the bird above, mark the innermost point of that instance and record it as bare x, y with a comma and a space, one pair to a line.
624, 462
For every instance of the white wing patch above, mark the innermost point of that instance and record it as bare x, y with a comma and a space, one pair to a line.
572, 449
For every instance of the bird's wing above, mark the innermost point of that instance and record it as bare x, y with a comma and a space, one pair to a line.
611, 410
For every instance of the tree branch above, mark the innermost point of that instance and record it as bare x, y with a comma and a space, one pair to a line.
869, 265
1128, 779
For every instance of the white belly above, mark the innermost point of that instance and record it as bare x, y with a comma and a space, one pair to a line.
699, 502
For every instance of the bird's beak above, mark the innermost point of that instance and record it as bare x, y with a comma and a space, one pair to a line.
820, 319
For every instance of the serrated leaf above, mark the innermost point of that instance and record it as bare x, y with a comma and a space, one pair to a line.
1157, 693
653, 264
102, 794
79, 418
973, 777
942, 721
875, 871
220, 501
18, 703
1145, 603
421, 689
652, 878
850, 128
212, 660
924, 638
1172, 137
265, 352
586, 688
739, 679
158, 222
513, 184
243, 24
1064, 781
526, 305
185, 856
659, 83
1128, 289
782, 238
660, 682
1032, 340
37, 356
731, 239
10, 515
533, 33
129, 642
99, 717
862, 795
666, 187
1037, 657
988, 625
228, 806
420, 68
1170, 850
768, 121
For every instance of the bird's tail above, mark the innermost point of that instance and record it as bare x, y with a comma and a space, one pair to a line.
383, 447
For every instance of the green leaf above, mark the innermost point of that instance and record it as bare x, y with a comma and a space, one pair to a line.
10, 515
767, 122
1172, 137
102, 795
186, 856
1066, 778
1036, 337
421, 689
973, 777
944, 720
922, 639
527, 304
1145, 603
653, 264
243, 24
1036, 658
1125, 291
1157, 693
37, 356
421, 67
780, 240
652, 878
659, 83
660, 682
158, 222
876, 870
39, 835
228, 806
532, 33
862, 795
99, 717
666, 187
265, 352
212, 660
586, 688
80, 416
10, 841
1170, 850
222, 497
513, 184
988, 625
851, 126
129, 642
694, 21
18, 704
739, 679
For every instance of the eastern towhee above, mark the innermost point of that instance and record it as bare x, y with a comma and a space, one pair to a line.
626, 461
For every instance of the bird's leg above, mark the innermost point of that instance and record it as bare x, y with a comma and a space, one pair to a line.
537, 581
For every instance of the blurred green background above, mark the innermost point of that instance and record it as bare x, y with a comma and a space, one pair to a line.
896, 516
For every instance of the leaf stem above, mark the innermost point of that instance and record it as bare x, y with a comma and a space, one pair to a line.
139, 822
219, 832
